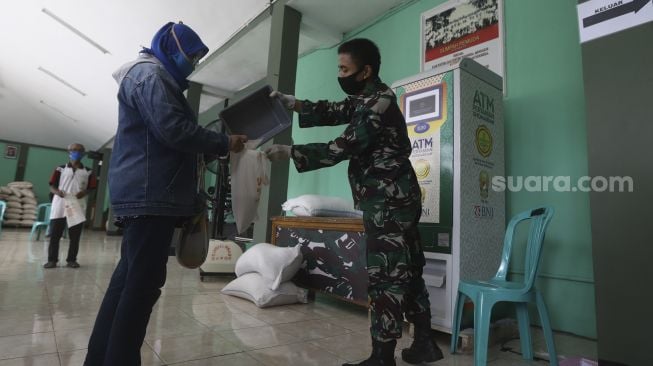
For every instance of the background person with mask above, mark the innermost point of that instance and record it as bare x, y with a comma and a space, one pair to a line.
384, 187
72, 179
153, 179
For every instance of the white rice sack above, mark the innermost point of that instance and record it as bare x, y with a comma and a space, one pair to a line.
276, 264
16, 192
12, 216
29, 207
28, 200
256, 288
14, 210
26, 222
29, 216
27, 193
316, 205
13, 198
11, 222
21, 185
5, 190
14, 204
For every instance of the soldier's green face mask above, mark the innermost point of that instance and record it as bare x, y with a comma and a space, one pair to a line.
350, 85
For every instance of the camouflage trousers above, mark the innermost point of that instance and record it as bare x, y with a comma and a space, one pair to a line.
395, 261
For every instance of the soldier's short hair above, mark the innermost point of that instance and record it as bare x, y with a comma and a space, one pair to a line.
363, 52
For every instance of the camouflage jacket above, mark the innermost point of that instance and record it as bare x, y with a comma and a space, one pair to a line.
375, 142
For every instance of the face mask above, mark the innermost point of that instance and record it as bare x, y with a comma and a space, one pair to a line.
350, 85
75, 155
184, 67
180, 59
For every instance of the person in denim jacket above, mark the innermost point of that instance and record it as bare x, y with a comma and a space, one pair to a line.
153, 178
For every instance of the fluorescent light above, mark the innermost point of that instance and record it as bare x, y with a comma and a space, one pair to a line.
64, 82
58, 111
75, 30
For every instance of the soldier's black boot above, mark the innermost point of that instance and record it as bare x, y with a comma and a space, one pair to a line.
383, 354
424, 348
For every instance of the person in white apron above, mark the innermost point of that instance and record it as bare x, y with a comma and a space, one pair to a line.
69, 184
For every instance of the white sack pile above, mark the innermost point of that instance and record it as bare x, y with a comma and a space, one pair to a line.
264, 272
21, 204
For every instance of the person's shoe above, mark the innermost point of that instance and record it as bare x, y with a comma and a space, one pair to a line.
72, 264
383, 354
423, 349
50, 265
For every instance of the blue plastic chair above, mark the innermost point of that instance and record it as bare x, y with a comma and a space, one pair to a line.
484, 294
3, 206
43, 215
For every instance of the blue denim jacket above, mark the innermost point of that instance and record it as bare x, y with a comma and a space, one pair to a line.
153, 169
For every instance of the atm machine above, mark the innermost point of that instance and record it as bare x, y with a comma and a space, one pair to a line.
455, 124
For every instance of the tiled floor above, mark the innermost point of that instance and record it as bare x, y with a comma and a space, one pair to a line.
46, 317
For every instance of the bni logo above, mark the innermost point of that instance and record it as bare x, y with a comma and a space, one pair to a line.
421, 127
483, 212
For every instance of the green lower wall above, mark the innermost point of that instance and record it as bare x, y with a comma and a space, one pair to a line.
545, 132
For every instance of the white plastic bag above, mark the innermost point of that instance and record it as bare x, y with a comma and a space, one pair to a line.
74, 210
276, 264
255, 288
249, 172
316, 205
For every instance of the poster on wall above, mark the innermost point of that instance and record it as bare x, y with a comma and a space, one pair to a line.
11, 152
463, 28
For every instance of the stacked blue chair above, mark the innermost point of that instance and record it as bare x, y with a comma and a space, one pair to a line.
3, 206
484, 294
43, 220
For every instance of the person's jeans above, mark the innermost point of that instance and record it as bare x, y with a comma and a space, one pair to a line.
135, 287
57, 227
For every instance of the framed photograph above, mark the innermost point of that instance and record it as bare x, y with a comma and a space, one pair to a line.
11, 152
463, 28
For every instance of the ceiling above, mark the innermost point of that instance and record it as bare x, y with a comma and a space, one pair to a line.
56, 86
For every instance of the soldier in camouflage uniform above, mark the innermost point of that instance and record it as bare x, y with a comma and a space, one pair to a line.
384, 187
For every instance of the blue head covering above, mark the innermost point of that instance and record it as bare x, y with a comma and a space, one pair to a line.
165, 48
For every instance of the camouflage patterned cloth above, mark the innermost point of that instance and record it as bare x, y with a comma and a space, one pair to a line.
396, 286
385, 188
335, 260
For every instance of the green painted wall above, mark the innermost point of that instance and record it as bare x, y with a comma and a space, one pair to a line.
7, 166
545, 132
41, 162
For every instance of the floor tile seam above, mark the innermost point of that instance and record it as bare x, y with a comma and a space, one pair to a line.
202, 358
17, 358
332, 353
307, 342
347, 331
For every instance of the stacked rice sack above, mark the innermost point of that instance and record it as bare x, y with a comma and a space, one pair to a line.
264, 272
21, 204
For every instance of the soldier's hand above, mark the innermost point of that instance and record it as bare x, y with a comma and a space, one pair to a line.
237, 142
60, 193
278, 152
287, 100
